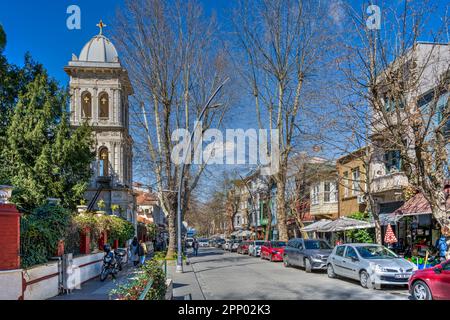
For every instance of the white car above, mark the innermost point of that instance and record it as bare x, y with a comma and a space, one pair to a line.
226, 245
254, 249
372, 264
203, 243
189, 242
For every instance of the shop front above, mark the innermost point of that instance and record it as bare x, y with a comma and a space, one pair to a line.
416, 229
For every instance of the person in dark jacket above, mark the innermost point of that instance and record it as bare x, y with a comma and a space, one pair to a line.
441, 246
134, 251
195, 246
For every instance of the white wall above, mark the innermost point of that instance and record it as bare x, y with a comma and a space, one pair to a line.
43, 281
10, 284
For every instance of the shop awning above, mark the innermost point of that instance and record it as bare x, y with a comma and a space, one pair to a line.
344, 224
316, 225
418, 205
388, 218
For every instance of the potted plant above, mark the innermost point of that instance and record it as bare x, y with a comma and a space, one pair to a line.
82, 207
101, 205
115, 209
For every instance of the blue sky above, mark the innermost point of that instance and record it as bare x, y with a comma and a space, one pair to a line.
40, 28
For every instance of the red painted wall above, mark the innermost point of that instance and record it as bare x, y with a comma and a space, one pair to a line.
9, 237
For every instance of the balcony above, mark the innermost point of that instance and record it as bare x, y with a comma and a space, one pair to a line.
390, 182
104, 181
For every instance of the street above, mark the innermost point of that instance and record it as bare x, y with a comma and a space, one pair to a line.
231, 276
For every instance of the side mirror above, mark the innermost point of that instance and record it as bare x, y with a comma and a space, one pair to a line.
437, 270
354, 259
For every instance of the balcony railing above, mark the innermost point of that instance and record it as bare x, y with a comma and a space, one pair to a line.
389, 182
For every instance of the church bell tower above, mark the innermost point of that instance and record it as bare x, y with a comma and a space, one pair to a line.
99, 89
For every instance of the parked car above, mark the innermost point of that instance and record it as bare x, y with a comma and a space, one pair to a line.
370, 264
273, 250
219, 243
226, 245
310, 254
189, 242
203, 242
432, 283
235, 244
243, 247
254, 248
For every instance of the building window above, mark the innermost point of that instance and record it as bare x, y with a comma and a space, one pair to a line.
391, 104
103, 162
392, 161
103, 102
315, 194
86, 105
346, 184
356, 182
329, 192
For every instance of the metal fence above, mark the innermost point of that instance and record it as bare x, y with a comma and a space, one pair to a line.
150, 283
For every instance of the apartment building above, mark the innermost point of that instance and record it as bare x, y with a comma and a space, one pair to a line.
351, 170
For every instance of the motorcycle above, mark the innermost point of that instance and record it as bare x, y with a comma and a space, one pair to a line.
120, 255
112, 263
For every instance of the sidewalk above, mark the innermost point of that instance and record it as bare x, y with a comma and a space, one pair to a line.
185, 283
96, 290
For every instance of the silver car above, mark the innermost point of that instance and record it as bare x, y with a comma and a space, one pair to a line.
254, 248
372, 264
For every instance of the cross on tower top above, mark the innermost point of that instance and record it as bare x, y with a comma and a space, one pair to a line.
101, 25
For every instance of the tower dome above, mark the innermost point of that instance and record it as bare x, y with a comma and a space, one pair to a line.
99, 49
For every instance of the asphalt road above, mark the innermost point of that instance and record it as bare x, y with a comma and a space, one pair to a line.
230, 276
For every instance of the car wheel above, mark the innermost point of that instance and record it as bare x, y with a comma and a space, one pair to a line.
286, 261
364, 279
308, 265
271, 258
330, 271
420, 291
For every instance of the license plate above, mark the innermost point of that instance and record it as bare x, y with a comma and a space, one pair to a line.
402, 276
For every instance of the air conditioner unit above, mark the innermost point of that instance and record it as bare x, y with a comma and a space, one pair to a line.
361, 199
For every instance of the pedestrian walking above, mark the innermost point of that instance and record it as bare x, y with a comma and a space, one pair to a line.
142, 252
195, 246
441, 246
134, 251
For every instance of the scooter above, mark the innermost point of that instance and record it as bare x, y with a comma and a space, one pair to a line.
120, 255
110, 264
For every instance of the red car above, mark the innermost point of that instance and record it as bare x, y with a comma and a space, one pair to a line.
243, 248
273, 250
432, 283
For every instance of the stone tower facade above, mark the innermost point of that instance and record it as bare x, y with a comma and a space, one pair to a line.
99, 89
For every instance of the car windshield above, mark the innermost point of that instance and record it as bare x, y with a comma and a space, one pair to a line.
259, 243
316, 245
278, 244
376, 252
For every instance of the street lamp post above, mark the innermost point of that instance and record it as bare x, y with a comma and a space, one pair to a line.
179, 268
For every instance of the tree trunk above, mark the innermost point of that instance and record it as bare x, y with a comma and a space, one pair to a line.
269, 221
281, 210
172, 221
439, 212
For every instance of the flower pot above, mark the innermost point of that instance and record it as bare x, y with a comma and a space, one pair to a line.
100, 213
82, 208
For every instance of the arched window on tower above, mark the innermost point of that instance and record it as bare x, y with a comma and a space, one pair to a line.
86, 105
103, 169
103, 102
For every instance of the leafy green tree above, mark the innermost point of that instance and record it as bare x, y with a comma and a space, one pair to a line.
42, 156
360, 235
2, 39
